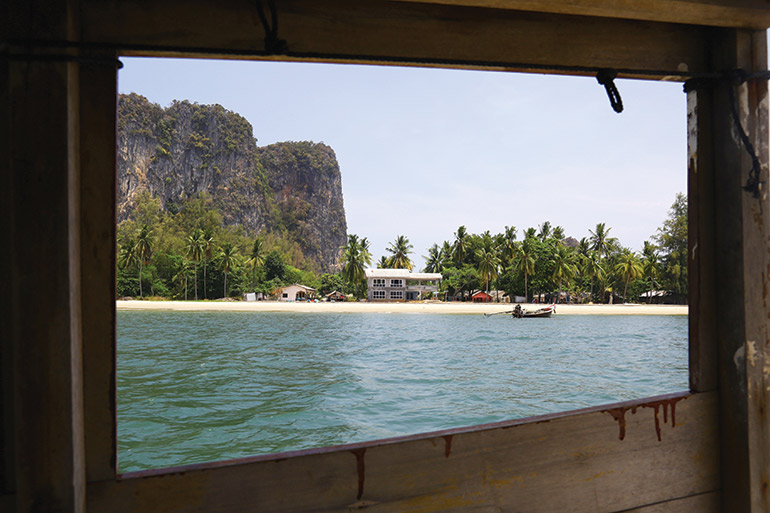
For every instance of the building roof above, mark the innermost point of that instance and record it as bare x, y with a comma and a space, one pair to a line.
401, 273
298, 285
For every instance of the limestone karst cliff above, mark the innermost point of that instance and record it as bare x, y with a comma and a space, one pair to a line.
292, 188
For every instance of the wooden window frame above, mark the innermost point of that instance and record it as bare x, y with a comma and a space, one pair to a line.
58, 360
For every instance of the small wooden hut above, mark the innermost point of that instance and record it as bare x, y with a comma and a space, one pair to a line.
705, 449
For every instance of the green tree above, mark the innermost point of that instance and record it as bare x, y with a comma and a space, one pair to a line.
460, 246
399, 253
593, 268
194, 247
143, 251
275, 267
355, 258
526, 262
207, 240
672, 241
227, 259
257, 258
601, 242
628, 267
563, 267
433, 260
650, 265
489, 264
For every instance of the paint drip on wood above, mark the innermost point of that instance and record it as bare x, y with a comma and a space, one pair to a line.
619, 414
361, 470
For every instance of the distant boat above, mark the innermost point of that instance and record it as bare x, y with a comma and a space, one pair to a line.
545, 311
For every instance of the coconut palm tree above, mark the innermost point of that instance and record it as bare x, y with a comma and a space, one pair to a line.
489, 263
558, 234
182, 275
601, 242
545, 231
207, 240
526, 261
194, 245
383, 263
143, 251
433, 260
355, 258
650, 264
127, 256
593, 268
630, 268
460, 245
563, 267
399, 253
257, 258
508, 245
227, 258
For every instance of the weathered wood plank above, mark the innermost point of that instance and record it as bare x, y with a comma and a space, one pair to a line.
740, 273
98, 113
43, 277
725, 13
702, 503
377, 31
598, 460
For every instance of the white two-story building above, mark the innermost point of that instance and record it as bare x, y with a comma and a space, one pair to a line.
400, 284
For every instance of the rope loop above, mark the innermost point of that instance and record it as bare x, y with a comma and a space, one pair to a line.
606, 77
273, 45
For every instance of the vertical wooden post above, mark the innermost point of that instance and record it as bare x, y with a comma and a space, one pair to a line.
98, 123
730, 259
41, 273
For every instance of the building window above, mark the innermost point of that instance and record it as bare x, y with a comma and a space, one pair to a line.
396, 283
378, 294
396, 294
285, 294
378, 282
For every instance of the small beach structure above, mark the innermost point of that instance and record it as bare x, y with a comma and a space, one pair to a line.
481, 297
335, 296
400, 284
296, 292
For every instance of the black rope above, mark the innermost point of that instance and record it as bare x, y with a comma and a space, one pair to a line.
753, 183
606, 77
273, 45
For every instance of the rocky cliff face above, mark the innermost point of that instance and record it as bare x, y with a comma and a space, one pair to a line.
292, 188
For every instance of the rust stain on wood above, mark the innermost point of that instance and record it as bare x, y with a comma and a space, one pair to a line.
619, 414
361, 470
447, 445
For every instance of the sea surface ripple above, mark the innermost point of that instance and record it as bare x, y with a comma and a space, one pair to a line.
209, 386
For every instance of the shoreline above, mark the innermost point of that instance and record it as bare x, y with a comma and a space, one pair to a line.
411, 308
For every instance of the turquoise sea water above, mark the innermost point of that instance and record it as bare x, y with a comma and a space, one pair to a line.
207, 386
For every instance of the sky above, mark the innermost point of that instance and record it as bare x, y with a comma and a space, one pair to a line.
423, 151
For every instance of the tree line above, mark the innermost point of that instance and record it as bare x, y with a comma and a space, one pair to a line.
545, 262
190, 254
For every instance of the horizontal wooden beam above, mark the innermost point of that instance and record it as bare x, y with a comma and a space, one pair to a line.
604, 459
754, 14
370, 31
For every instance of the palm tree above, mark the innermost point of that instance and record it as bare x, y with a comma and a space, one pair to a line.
563, 268
545, 231
460, 246
433, 260
227, 259
593, 268
531, 233
400, 250
127, 255
143, 251
650, 264
488, 265
355, 258
257, 258
194, 246
629, 267
558, 233
508, 245
601, 241
526, 263
383, 263
182, 275
207, 240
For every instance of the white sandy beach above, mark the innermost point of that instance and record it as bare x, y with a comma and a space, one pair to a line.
412, 307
